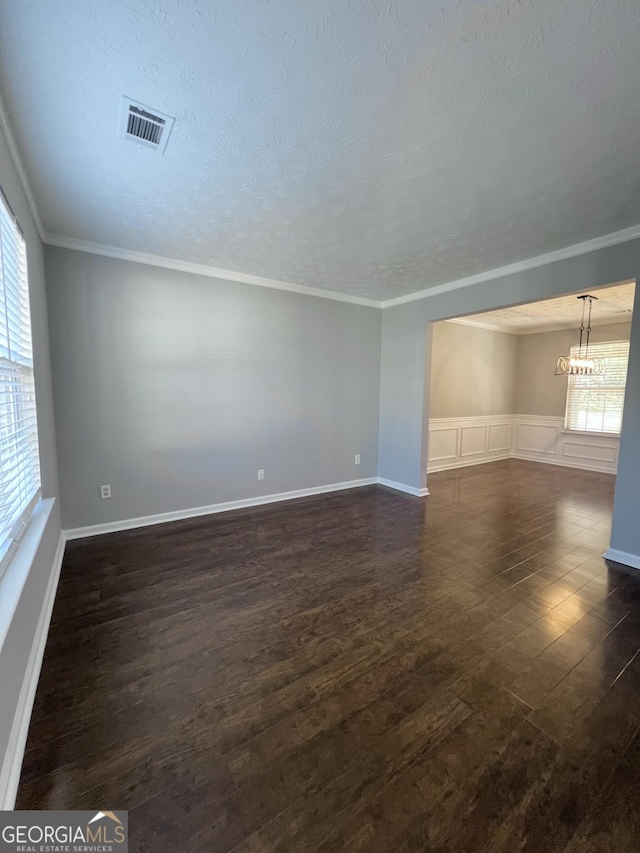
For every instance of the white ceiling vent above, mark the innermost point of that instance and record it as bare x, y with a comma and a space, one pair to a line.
144, 125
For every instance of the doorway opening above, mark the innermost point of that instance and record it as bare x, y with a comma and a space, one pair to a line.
494, 392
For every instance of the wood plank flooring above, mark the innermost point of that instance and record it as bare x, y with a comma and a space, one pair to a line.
360, 671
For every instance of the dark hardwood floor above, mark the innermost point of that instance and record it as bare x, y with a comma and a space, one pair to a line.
357, 671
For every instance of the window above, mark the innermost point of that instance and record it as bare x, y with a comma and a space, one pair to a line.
19, 457
595, 403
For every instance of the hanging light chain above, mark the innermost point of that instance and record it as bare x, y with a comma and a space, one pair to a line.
582, 365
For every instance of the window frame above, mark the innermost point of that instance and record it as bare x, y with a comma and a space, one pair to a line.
594, 383
18, 406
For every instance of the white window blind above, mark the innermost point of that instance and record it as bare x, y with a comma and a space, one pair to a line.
595, 403
19, 457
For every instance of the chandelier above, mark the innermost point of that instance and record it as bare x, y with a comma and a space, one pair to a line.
582, 364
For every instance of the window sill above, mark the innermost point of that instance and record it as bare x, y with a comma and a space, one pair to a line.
16, 573
587, 433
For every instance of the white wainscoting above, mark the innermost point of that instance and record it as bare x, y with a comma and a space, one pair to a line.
457, 442
543, 439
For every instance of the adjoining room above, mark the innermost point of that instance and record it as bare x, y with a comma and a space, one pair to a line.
319, 426
497, 392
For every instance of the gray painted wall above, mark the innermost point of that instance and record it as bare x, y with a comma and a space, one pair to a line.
625, 533
176, 388
473, 372
16, 649
538, 390
406, 360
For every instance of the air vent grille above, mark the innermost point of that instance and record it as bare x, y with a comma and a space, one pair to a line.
138, 124
145, 126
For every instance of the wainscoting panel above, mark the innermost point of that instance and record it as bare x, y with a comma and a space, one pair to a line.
590, 452
499, 438
443, 443
473, 440
457, 442
543, 439
536, 438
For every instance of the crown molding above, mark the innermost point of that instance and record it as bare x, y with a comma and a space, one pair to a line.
537, 330
201, 269
14, 153
521, 266
260, 281
572, 327
489, 327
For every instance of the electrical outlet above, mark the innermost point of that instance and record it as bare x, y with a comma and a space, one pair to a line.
261, 474
357, 458
105, 492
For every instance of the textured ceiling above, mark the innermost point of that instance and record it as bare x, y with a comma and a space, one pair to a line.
374, 147
614, 305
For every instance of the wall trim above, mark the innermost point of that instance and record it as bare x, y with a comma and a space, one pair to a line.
7, 132
622, 557
229, 506
212, 509
489, 327
458, 442
402, 487
549, 418
602, 242
150, 259
534, 438
535, 330
585, 451
465, 463
201, 269
12, 762
598, 469
476, 419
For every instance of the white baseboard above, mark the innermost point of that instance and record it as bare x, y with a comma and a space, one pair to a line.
245, 503
401, 487
465, 463
583, 466
12, 761
228, 506
623, 557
